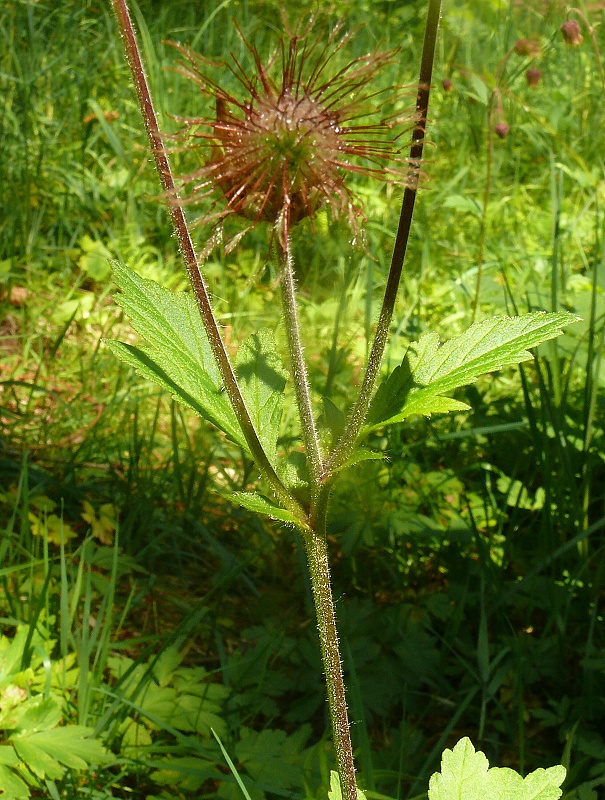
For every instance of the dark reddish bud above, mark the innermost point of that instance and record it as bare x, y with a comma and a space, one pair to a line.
527, 47
571, 32
502, 129
533, 77
447, 85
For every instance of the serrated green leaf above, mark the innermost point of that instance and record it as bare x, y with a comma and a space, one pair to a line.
542, 784
37, 714
272, 758
11, 785
178, 355
260, 505
216, 413
8, 757
465, 775
430, 369
37, 759
47, 752
360, 455
187, 772
262, 380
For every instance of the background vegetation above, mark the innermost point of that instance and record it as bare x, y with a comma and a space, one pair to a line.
135, 604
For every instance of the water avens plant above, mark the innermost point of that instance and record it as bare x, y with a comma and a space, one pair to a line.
276, 152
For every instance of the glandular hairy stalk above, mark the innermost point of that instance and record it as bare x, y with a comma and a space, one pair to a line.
277, 153
299, 371
187, 249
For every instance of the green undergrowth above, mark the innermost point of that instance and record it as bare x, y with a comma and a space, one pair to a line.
139, 611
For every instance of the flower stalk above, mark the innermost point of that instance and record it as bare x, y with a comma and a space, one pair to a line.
277, 157
319, 569
187, 249
299, 370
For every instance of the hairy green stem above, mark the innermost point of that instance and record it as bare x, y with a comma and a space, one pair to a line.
346, 444
189, 255
319, 568
299, 368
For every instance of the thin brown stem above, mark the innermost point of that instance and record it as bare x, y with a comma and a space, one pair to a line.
189, 255
593, 39
346, 444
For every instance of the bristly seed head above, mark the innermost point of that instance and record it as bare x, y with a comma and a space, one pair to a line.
281, 150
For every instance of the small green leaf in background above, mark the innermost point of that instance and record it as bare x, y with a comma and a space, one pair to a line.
187, 772
95, 259
273, 760
50, 527
465, 775
262, 380
430, 369
178, 355
103, 525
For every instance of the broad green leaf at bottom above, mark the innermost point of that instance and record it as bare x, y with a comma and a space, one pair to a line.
465, 775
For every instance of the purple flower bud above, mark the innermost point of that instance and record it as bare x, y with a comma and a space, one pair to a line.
571, 32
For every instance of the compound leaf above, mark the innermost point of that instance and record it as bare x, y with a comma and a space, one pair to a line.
187, 772
47, 752
430, 370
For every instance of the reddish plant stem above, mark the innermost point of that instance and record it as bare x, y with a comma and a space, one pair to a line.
346, 445
189, 255
319, 568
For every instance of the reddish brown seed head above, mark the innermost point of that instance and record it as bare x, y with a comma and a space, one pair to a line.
283, 146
